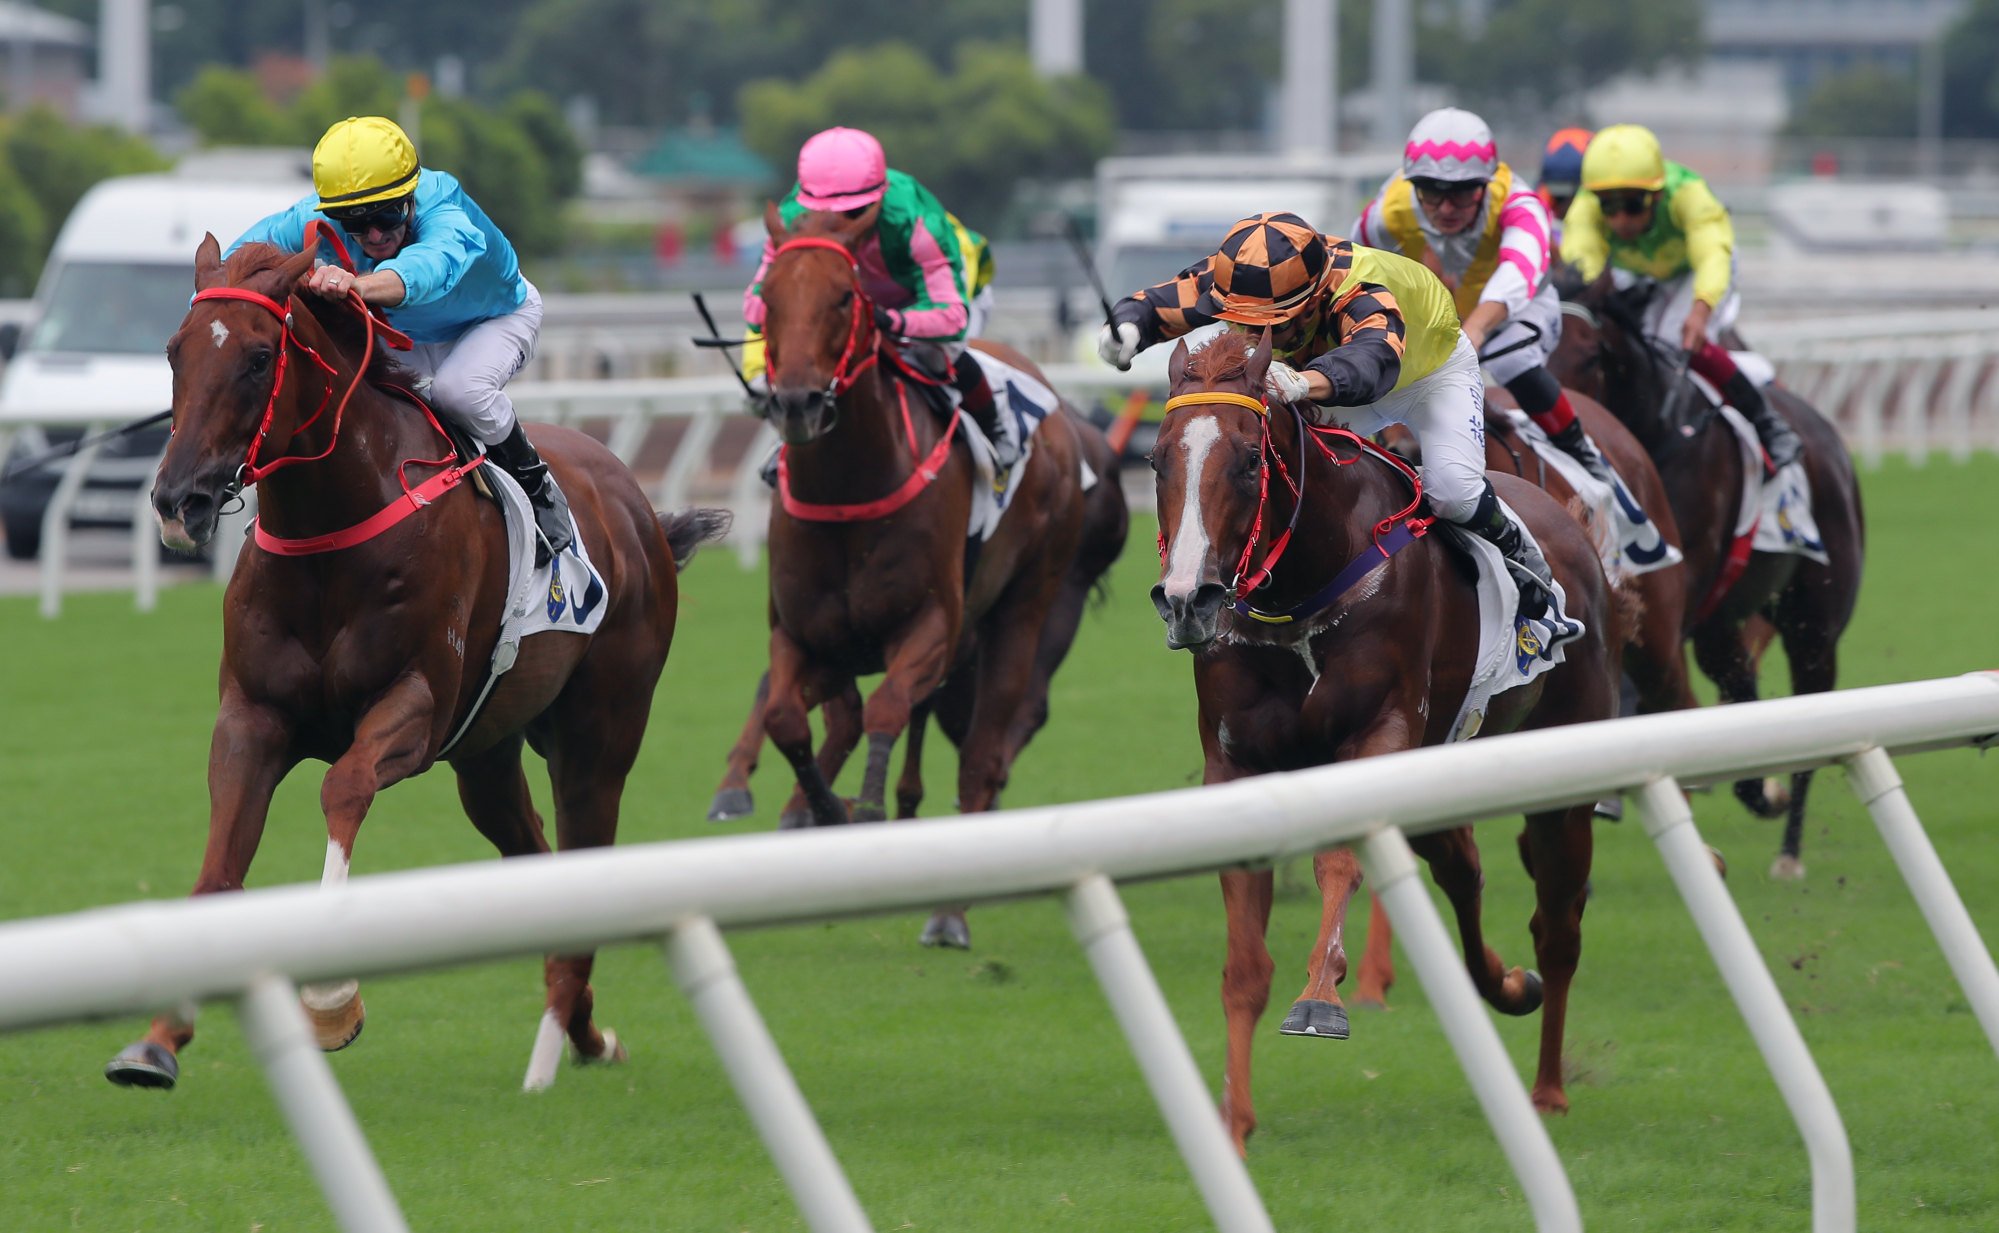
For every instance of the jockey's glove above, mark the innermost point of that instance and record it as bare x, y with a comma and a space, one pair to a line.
888, 321
1285, 383
1117, 344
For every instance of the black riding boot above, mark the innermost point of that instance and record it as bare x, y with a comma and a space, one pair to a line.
1576, 444
1523, 560
976, 399
1779, 442
551, 509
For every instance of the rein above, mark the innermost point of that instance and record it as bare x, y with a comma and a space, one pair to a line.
1389, 536
860, 327
250, 473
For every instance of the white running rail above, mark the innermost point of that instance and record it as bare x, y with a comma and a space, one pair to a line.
254, 947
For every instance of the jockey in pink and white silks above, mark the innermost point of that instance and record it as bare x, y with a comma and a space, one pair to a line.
1460, 211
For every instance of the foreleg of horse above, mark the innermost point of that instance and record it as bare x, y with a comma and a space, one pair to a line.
1723, 653
1657, 658
1377, 960
732, 795
1318, 1012
909, 785
785, 719
1245, 991
247, 756
916, 664
1454, 864
390, 743
841, 711
1557, 848
1810, 643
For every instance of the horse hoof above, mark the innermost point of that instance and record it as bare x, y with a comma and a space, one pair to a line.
144, 1064
794, 820
1530, 992
1311, 1017
860, 811
730, 804
1757, 798
1721, 864
1610, 809
336, 1012
947, 929
1787, 869
614, 1052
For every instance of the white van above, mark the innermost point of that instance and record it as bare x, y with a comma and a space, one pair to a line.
116, 286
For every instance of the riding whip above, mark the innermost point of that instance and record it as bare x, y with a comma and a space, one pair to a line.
716, 340
1074, 231
65, 450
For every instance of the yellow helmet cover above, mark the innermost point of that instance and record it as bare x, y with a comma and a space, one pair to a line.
363, 160
1624, 156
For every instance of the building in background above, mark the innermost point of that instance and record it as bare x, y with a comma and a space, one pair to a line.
44, 59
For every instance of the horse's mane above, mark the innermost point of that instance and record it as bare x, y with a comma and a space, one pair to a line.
256, 266
1226, 355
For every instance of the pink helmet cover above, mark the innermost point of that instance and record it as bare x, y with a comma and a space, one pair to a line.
841, 168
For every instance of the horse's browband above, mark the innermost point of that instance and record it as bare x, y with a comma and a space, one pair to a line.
1206, 396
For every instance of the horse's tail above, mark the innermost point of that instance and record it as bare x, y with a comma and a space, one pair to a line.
687, 530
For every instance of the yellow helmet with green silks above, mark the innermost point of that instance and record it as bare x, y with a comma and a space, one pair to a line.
362, 161
1624, 156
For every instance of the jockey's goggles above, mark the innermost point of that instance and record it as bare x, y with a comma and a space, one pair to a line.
1624, 201
1442, 192
374, 216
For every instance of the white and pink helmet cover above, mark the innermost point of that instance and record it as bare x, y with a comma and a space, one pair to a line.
840, 169
1450, 145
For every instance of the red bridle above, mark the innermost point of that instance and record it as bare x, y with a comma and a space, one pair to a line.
862, 348
250, 472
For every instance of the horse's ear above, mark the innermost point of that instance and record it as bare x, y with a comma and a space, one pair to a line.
774, 223
1259, 360
1176, 364
295, 268
207, 263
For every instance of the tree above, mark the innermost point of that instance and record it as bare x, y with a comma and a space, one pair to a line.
58, 162
1549, 52
1867, 101
225, 107
970, 137
23, 233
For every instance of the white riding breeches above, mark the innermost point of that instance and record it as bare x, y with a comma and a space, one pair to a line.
978, 313
1666, 313
469, 375
1446, 411
1535, 331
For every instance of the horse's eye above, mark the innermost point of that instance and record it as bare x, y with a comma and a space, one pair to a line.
259, 361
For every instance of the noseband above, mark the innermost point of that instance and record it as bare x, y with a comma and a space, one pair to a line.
862, 348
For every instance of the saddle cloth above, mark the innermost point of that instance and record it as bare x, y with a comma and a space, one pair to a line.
1509, 646
1777, 511
565, 595
1023, 402
1627, 540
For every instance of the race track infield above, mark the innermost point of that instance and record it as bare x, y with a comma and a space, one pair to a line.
992, 1090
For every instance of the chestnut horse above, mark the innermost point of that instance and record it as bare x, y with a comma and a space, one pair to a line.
371, 657
1106, 522
1605, 353
1379, 667
868, 556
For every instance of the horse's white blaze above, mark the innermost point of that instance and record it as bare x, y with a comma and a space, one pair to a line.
335, 873
1190, 538
219, 332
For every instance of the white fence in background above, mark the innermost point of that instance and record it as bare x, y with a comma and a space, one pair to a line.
253, 948
1908, 382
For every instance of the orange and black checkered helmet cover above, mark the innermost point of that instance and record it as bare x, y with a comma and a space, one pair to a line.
1267, 270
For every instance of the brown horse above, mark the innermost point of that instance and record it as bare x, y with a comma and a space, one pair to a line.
1382, 666
372, 656
1604, 353
868, 557
1106, 522
1655, 658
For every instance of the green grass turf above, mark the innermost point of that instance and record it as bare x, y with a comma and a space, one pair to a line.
992, 1090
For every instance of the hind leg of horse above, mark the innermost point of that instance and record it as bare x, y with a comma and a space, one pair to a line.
795, 683
1724, 655
1556, 847
1811, 644
1246, 977
1318, 1012
1454, 865
1377, 960
732, 795
248, 755
1657, 658
909, 785
390, 744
